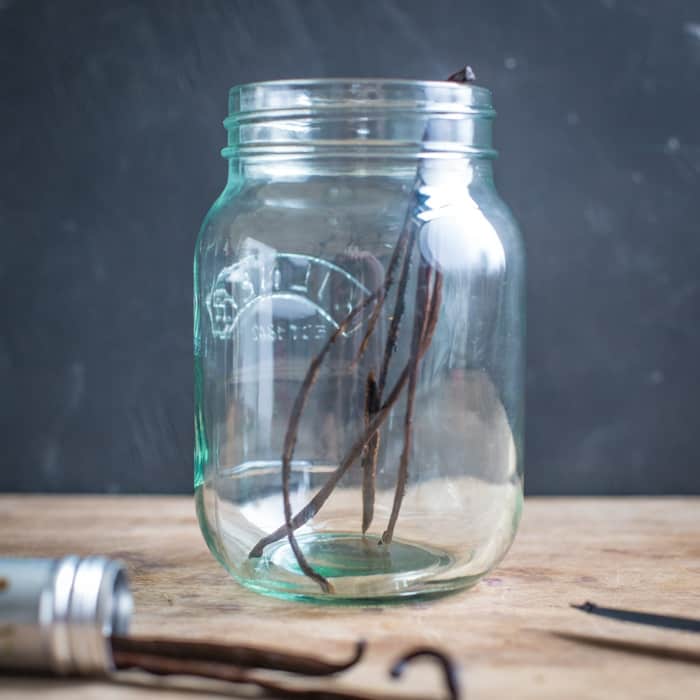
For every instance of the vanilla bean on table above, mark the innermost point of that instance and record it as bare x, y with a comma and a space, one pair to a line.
448, 667
236, 664
166, 666
686, 624
234, 655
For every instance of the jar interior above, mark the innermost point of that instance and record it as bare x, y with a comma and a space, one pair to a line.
327, 178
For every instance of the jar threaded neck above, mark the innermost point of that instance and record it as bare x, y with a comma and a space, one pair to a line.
351, 117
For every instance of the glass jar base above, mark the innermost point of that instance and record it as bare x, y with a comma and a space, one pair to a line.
361, 570
341, 554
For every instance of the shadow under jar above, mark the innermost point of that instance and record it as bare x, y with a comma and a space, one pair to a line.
358, 333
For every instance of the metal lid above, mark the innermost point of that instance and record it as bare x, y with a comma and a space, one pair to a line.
91, 601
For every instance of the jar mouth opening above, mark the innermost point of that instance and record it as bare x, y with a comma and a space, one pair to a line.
310, 95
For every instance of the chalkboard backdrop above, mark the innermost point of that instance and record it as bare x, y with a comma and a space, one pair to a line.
110, 131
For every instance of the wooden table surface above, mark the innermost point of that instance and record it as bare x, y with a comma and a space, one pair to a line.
635, 553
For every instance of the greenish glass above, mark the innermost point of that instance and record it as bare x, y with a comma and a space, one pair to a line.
327, 180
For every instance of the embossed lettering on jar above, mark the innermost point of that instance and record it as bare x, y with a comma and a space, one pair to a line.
356, 211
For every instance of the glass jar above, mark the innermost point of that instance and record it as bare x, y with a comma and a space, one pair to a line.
358, 339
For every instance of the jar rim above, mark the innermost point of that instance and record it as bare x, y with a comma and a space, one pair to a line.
249, 100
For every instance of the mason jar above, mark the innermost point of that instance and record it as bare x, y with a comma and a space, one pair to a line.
358, 342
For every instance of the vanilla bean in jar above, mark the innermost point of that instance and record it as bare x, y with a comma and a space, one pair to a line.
359, 325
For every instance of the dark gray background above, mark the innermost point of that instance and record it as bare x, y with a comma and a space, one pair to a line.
110, 130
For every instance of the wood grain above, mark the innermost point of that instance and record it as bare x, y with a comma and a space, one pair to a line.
632, 553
